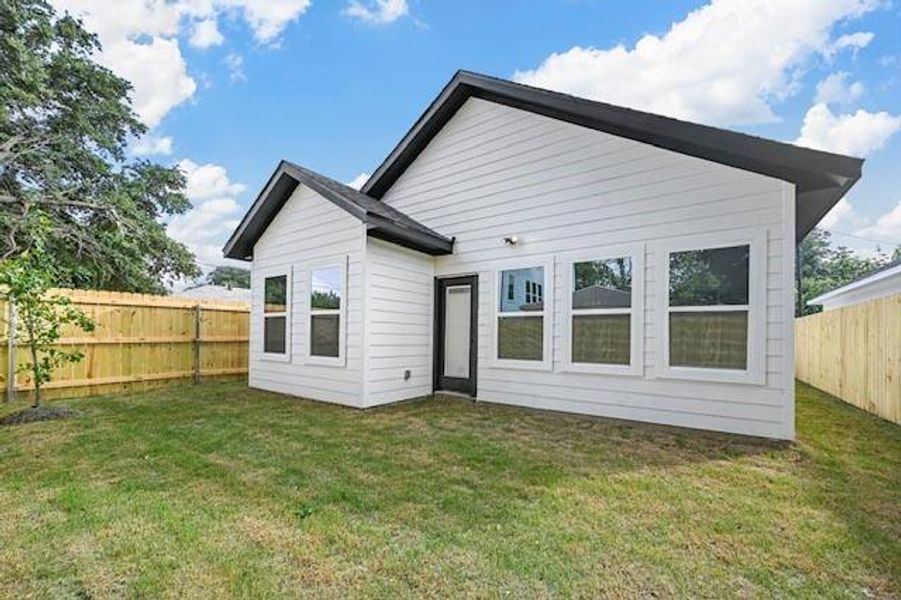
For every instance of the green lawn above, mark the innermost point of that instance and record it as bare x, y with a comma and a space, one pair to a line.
219, 491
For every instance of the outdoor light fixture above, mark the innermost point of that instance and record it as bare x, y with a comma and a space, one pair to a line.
511, 240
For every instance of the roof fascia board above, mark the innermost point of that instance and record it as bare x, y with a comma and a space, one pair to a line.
388, 230
257, 204
810, 170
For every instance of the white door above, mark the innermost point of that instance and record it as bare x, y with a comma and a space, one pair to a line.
457, 315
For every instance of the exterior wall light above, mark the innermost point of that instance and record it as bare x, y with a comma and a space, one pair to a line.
511, 240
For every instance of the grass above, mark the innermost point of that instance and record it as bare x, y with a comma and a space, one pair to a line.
219, 491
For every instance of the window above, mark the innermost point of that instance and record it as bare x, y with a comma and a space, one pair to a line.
605, 316
522, 334
713, 295
327, 310
275, 316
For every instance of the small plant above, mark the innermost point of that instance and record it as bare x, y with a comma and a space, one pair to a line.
26, 281
305, 511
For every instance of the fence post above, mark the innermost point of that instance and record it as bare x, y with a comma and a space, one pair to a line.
197, 321
10, 350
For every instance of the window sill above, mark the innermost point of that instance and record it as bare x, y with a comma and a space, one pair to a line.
603, 369
326, 361
272, 357
522, 365
712, 375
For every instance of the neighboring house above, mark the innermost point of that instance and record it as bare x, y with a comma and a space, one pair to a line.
884, 281
599, 295
215, 292
499, 183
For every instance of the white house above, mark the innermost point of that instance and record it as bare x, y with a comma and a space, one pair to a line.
215, 292
456, 266
885, 281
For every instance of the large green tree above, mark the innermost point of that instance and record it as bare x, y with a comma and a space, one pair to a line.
823, 267
229, 277
65, 122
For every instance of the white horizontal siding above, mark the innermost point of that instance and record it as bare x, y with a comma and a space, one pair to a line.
399, 309
308, 229
495, 171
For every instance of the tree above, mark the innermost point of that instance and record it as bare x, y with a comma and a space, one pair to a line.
40, 315
64, 125
822, 267
229, 277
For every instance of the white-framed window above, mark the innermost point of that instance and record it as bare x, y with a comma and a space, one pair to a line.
523, 315
604, 311
276, 308
327, 322
712, 298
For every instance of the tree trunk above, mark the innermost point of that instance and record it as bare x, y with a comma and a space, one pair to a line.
34, 365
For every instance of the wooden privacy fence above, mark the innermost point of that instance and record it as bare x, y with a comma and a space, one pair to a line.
139, 341
854, 353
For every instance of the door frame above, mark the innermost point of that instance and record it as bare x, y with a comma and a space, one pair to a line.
439, 382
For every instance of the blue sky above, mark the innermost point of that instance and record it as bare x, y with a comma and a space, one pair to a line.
229, 87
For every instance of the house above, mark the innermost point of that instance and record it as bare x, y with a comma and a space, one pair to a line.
884, 281
215, 292
368, 297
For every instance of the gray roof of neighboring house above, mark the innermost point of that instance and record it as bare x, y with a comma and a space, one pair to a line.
888, 270
215, 292
598, 296
382, 221
821, 178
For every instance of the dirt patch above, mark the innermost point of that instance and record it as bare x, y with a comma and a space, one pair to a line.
41, 413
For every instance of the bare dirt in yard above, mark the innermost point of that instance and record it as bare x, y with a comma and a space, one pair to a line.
41, 413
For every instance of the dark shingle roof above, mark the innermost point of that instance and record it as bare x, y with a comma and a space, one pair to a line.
382, 221
820, 178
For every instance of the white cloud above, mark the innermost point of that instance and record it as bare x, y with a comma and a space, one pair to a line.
158, 73
215, 214
150, 145
139, 45
358, 181
887, 227
852, 41
857, 134
268, 18
863, 234
208, 181
837, 89
377, 12
235, 64
206, 34
724, 63
844, 218
140, 40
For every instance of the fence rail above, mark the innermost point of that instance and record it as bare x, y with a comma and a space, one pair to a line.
140, 341
854, 353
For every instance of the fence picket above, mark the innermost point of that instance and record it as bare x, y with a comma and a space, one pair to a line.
854, 353
141, 341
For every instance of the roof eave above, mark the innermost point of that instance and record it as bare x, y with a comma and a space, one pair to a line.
389, 231
282, 183
831, 175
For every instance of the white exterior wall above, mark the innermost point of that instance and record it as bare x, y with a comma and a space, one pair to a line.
308, 229
495, 171
400, 303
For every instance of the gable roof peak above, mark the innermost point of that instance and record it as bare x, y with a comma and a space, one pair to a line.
820, 178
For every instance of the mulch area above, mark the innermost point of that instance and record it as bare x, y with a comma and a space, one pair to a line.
41, 413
